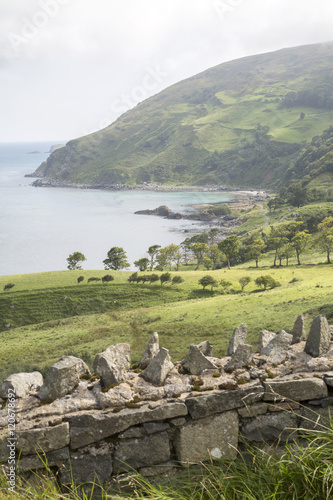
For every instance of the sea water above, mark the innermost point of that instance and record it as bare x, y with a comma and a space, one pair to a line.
40, 227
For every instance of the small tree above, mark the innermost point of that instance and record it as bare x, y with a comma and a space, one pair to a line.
80, 278
152, 252
107, 278
244, 281
200, 251
165, 277
74, 261
229, 246
255, 250
300, 241
142, 264
116, 259
176, 280
8, 286
93, 279
153, 278
208, 281
325, 238
133, 278
266, 282
225, 285
143, 278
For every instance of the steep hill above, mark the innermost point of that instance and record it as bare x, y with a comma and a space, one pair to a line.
241, 123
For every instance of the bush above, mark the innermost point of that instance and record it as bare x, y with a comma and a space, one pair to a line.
266, 282
107, 278
133, 278
176, 280
165, 277
93, 279
153, 278
143, 278
80, 279
8, 286
208, 281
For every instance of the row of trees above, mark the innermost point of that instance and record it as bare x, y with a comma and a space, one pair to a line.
285, 240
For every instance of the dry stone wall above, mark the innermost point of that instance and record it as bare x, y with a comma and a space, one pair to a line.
169, 414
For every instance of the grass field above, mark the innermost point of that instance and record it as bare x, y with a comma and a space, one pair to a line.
50, 315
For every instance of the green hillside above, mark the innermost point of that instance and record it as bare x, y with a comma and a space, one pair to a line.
240, 123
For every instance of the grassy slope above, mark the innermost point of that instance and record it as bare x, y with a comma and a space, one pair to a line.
192, 315
170, 138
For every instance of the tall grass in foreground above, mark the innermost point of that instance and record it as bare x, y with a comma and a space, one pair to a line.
303, 471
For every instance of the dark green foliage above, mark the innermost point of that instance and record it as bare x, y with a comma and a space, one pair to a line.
165, 278
142, 264
107, 278
244, 281
208, 281
229, 246
143, 278
93, 279
74, 260
153, 278
133, 278
176, 280
116, 259
266, 282
80, 279
8, 286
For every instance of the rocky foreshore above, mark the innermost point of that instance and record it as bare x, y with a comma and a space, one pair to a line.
146, 186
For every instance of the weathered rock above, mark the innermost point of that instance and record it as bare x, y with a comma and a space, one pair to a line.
158, 369
94, 426
253, 410
89, 464
328, 377
314, 418
213, 436
278, 426
298, 331
195, 362
319, 337
112, 364
151, 351
265, 338
209, 404
331, 331
295, 390
63, 377
242, 357
136, 453
278, 348
55, 458
42, 440
206, 348
22, 384
238, 337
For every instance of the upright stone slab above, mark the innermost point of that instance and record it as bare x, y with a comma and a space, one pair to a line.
158, 369
298, 331
238, 337
319, 337
195, 362
63, 377
213, 436
278, 348
265, 338
242, 357
206, 348
22, 384
151, 351
112, 364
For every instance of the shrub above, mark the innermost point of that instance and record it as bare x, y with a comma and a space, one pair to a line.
93, 279
8, 286
143, 278
133, 278
165, 277
107, 278
208, 281
153, 278
176, 280
266, 282
80, 278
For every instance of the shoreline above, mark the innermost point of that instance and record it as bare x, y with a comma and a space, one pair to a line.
43, 182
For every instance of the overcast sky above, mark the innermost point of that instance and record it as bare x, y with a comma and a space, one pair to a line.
70, 67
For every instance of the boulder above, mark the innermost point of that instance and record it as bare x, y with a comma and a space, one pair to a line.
298, 331
242, 357
238, 337
278, 348
63, 377
22, 384
158, 369
331, 331
295, 390
319, 337
151, 351
265, 338
195, 362
112, 364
